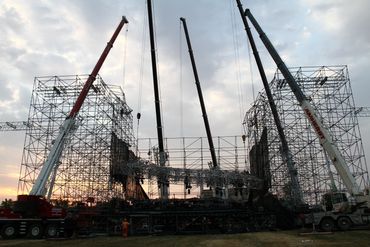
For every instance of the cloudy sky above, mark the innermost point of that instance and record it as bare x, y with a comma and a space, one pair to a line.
43, 37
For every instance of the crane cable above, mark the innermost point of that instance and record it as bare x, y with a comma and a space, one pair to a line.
122, 9
181, 83
141, 77
242, 101
251, 71
253, 94
124, 58
237, 62
158, 75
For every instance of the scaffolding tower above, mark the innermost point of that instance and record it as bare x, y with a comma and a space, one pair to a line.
88, 156
329, 90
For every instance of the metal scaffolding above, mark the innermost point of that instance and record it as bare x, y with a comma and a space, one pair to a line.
329, 90
86, 163
99, 161
189, 167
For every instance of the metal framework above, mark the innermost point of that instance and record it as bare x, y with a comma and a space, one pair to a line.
15, 125
86, 162
329, 90
94, 165
189, 167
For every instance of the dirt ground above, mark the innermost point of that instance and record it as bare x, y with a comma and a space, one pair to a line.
281, 238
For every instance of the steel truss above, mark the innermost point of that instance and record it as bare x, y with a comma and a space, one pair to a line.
95, 151
15, 125
84, 171
329, 90
189, 163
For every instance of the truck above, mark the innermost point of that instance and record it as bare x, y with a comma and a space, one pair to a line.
339, 209
33, 215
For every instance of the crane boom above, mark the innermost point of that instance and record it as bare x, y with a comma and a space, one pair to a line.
323, 134
200, 94
52, 162
286, 154
163, 180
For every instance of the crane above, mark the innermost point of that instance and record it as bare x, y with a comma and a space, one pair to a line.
202, 105
200, 94
287, 156
338, 211
33, 214
49, 169
322, 132
163, 183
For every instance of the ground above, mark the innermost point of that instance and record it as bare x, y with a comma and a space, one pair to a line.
281, 238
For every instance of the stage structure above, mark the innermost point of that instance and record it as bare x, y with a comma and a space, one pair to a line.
90, 155
101, 161
329, 90
190, 170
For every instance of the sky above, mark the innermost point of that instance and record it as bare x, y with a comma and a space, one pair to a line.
39, 38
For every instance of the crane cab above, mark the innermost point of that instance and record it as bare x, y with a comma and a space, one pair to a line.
336, 202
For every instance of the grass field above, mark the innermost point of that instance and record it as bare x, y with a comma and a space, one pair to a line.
281, 238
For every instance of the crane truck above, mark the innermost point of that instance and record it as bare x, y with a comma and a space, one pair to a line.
33, 215
337, 209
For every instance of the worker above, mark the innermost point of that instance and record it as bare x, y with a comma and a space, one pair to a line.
124, 227
70, 225
302, 219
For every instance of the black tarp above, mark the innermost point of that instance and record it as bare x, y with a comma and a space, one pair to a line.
120, 156
259, 161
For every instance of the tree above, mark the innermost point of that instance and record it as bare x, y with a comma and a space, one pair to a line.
7, 203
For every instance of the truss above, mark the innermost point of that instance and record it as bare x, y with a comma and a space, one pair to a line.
85, 164
188, 164
329, 90
16, 126
104, 141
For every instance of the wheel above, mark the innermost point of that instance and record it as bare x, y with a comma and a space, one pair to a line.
344, 223
8, 232
327, 224
35, 231
51, 231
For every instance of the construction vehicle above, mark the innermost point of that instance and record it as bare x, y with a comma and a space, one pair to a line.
33, 215
338, 209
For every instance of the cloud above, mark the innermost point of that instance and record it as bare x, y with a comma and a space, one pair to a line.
54, 38
346, 25
8, 193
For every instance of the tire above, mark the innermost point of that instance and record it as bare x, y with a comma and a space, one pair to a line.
51, 231
8, 232
35, 231
327, 224
344, 223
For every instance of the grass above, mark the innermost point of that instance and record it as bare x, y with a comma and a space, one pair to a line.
280, 238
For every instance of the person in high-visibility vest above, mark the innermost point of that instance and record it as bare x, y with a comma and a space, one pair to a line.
124, 227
